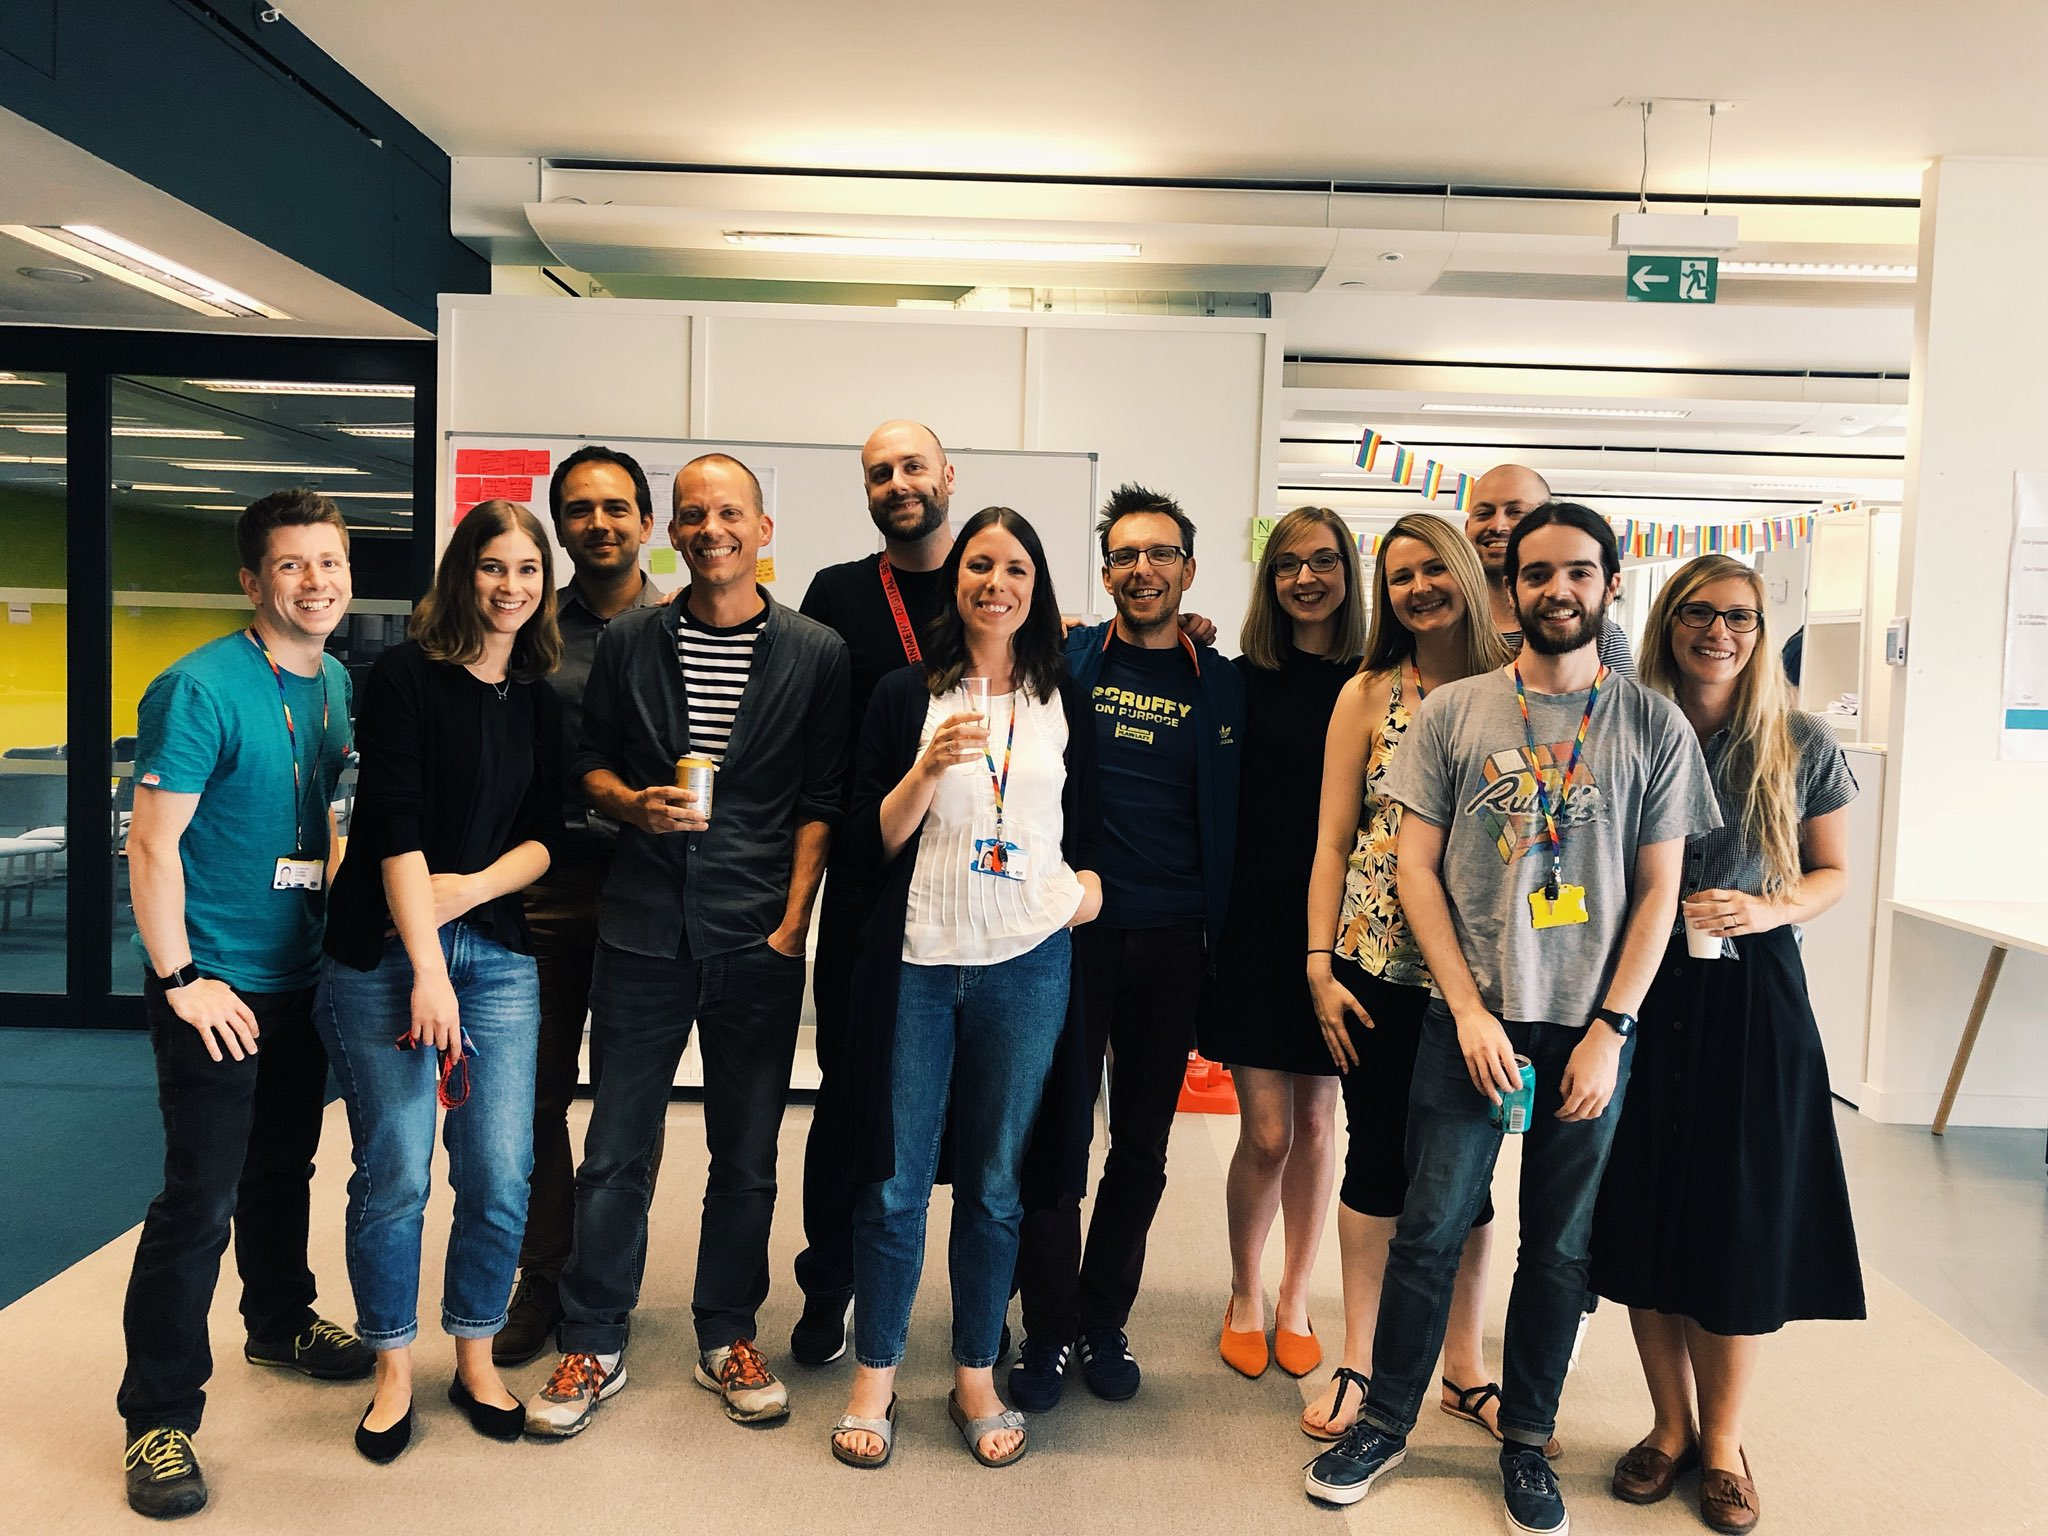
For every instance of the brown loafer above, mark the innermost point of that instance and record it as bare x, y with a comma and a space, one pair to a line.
1645, 1474
1728, 1500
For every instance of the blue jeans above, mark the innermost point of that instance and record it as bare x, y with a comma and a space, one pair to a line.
391, 1112
1452, 1147
981, 1036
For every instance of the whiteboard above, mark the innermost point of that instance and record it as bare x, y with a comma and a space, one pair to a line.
813, 491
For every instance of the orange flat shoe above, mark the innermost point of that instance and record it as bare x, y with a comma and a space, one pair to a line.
1244, 1352
1298, 1353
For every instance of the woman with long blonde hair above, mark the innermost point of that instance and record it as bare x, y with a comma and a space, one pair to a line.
1725, 1214
1431, 625
1303, 635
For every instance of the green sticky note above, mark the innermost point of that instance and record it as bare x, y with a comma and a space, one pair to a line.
662, 562
1262, 528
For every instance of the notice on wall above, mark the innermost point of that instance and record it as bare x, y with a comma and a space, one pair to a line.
2023, 733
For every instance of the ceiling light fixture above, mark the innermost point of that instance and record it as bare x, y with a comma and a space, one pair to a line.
244, 467
1895, 271
182, 490
367, 495
934, 249
1631, 413
30, 458
15, 378
289, 387
54, 275
209, 434
393, 432
110, 255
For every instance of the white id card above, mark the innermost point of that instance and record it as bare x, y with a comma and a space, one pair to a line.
999, 859
299, 875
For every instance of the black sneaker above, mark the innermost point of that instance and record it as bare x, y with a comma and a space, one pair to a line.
819, 1336
1535, 1507
1039, 1375
1343, 1473
529, 1322
164, 1480
1107, 1364
324, 1351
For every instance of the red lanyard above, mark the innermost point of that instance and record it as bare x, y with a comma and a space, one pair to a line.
904, 632
292, 736
1550, 886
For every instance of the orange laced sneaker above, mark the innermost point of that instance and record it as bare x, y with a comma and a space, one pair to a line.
578, 1383
739, 1373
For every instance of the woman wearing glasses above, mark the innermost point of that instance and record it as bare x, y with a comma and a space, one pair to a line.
1724, 1214
1302, 638
973, 788
1431, 625
428, 992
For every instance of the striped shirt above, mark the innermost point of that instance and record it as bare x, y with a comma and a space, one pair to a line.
716, 664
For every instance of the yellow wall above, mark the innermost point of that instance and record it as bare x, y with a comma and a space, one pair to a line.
33, 665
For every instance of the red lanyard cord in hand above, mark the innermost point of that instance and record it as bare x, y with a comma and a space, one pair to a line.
1002, 785
1564, 788
292, 737
904, 632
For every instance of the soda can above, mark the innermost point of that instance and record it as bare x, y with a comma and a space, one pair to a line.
1512, 1113
695, 774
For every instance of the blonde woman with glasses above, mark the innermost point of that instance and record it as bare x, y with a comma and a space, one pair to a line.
1725, 1214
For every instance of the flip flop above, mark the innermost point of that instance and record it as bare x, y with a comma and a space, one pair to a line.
1472, 1399
972, 1431
1346, 1379
883, 1429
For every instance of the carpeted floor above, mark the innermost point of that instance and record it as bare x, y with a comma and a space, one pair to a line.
1895, 1425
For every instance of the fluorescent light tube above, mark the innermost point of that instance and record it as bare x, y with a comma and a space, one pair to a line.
209, 434
1892, 270
393, 432
110, 255
240, 467
1630, 413
183, 490
934, 249
288, 387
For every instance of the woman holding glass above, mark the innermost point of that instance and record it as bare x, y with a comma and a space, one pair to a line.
973, 783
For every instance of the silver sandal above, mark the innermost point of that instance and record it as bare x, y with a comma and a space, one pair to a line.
883, 1429
973, 1431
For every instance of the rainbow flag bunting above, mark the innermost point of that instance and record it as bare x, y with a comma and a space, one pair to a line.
1404, 466
1464, 502
1369, 448
1433, 480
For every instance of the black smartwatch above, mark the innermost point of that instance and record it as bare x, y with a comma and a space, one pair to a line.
183, 976
1623, 1024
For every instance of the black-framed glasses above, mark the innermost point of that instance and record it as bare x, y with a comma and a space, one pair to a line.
1322, 562
1740, 621
1163, 557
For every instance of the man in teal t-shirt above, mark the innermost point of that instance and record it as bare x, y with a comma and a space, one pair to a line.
238, 749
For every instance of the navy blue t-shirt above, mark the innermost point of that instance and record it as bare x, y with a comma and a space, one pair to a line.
1146, 702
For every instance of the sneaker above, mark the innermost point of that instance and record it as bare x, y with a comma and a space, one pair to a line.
579, 1383
1343, 1473
819, 1336
164, 1480
529, 1321
740, 1374
1107, 1364
1039, 1375
324, 1351
1535, 1507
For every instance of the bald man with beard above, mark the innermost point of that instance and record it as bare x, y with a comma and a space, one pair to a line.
1501, 498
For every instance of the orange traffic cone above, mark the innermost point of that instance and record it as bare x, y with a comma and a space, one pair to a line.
1207, 1089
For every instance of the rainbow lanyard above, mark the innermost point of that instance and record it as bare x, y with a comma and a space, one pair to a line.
1551, 886
1001, 785
292, 736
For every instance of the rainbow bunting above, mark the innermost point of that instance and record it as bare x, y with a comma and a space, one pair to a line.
1404, 466
1369, 448
1433, 480
1464, 502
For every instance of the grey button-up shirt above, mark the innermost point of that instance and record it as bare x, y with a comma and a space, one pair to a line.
581, 629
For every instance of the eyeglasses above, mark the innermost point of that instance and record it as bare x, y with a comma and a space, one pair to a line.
1164, 557
1740, 621
1322, 562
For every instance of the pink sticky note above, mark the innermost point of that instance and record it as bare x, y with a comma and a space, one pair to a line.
469, 489
469, 461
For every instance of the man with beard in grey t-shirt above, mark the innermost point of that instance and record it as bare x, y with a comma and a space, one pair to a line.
1546, 810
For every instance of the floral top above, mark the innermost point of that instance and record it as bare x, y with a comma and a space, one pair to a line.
1370, 928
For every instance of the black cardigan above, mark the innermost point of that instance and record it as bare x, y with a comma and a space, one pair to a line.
888, 748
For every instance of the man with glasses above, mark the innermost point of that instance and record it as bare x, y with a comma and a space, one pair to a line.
238, 748
1168, 717
1501, 498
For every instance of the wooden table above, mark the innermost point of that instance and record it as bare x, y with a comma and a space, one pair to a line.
2008, 925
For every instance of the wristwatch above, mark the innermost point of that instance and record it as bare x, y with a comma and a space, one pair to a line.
1623, 1024
183, 976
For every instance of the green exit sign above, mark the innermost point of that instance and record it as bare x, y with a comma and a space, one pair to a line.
1672, 279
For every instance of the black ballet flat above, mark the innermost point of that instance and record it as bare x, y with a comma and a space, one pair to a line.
495, 1423
384, 1445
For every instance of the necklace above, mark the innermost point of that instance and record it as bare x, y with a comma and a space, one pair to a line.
500, 689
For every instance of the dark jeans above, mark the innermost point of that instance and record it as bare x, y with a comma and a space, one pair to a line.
561, 917
1139, 988
746, 1005
825, 1267
239, 1138
1452, 1147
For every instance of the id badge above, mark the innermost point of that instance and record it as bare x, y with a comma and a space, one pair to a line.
1569, 908
299, 875
999, 859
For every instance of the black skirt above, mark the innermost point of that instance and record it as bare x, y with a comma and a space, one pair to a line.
1724, 1199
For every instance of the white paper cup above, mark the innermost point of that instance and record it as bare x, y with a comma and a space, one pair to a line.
1701, 945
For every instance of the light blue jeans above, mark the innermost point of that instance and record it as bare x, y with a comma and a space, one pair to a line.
392, 1107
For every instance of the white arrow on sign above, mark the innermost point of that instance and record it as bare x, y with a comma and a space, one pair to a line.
1642, 278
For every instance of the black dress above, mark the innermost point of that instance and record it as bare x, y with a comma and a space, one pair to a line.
1256, 1010
1724, 1199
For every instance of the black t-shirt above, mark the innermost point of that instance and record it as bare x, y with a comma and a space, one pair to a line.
849, 599
1145, 703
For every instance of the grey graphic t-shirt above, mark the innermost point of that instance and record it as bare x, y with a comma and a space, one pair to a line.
1466, 767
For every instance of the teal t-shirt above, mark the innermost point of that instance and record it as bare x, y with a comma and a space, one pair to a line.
211, 724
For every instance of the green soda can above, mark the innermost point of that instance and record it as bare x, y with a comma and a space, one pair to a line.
1512, 1113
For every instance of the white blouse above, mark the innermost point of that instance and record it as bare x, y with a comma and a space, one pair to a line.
954, 915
